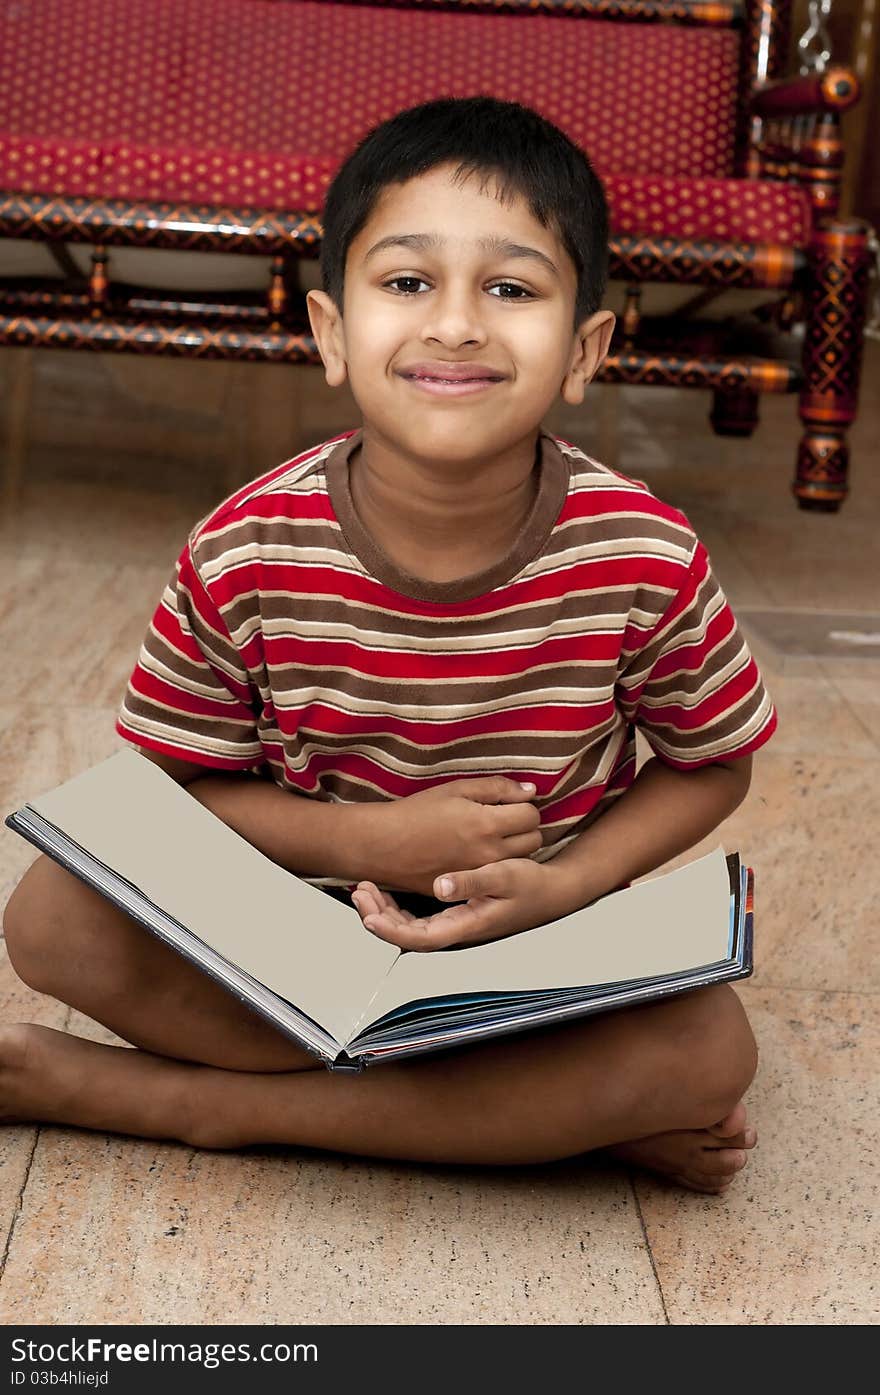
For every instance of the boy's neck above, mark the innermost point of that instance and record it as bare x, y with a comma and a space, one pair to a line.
443, 524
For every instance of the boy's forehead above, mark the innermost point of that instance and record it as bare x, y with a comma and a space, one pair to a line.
454, 213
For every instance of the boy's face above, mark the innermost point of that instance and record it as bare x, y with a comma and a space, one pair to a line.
462, 299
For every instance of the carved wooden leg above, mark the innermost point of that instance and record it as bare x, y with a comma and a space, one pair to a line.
836, 296
734, 412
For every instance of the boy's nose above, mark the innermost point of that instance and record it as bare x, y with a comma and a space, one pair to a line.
454, 321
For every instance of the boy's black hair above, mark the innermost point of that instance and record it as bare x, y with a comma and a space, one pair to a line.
526, 154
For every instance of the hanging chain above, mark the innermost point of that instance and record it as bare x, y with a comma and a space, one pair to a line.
814, 45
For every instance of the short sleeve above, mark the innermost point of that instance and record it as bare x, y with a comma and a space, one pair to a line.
692, 687
189, 695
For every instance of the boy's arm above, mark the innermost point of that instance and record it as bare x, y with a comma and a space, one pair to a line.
385, 839
303, 835
663, 813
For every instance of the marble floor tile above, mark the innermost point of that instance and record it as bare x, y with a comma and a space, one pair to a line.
18, 1003
741, 585
793, 641
814, 714
124, 1230
805, 567
809, 828
90, 521
796, 1239
84, 623
109, 405
101, 419
858, 683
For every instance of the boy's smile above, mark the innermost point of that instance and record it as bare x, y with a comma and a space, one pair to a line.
436, 379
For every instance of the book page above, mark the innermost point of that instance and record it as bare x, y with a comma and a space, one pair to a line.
675, 922
305, 946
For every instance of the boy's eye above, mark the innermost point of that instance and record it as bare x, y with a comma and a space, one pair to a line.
523, 294
407, 283
407, 286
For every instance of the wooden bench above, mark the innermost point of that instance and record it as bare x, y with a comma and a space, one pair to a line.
211, 126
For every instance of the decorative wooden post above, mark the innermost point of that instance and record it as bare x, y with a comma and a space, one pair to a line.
98, 281
822, 154
632, 313
836, 303
277, 298
763, 55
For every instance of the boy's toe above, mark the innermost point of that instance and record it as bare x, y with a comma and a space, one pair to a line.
702, 1182
733, 1123
747, 1139
722, 1162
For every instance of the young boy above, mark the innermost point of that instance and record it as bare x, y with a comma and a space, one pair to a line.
416, 655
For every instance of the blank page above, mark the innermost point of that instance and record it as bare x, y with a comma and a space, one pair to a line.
303, 945
675, 922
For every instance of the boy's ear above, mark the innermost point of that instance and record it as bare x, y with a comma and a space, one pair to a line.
326, 322
592, 342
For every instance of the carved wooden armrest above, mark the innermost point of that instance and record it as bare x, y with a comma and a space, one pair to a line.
796, 133
832, 91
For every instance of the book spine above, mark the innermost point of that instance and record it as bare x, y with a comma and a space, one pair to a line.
346, 1063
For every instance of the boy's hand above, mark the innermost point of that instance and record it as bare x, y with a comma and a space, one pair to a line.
502, 898
465, 823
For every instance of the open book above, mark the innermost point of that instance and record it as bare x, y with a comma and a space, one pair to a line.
307, 963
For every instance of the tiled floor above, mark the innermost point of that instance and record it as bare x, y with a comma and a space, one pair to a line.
123, 457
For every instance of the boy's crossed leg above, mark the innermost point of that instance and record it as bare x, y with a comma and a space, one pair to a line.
66, 940
650, 1084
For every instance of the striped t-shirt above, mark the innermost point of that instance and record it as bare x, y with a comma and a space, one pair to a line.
289, 644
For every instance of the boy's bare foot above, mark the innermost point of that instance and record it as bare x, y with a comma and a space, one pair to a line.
53, 1077
705, 1160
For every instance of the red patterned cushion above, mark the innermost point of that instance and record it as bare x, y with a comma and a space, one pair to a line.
255, 103
286, 85
722, 210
